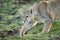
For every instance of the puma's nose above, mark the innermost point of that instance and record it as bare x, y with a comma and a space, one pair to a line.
23, 22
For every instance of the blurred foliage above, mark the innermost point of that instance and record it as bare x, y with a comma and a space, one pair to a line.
10, 18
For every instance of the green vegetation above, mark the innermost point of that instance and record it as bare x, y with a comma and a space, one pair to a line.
10, 18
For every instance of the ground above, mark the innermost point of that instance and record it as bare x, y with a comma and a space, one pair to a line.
10, 23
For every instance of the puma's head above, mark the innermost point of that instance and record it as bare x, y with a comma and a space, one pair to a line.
28, 18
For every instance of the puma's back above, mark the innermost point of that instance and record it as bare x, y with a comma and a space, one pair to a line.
54, 7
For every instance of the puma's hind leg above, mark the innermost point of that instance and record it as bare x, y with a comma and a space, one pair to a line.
47, 26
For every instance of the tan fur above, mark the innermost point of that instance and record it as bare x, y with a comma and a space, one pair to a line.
43, 12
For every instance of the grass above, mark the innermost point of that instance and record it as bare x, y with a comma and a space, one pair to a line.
32, 34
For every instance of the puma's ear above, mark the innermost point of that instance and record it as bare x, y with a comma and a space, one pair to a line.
31, 11
22, 12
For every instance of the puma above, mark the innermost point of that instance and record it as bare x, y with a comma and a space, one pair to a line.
44, 12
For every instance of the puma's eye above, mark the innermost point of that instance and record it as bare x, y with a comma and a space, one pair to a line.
26, 16
30, 22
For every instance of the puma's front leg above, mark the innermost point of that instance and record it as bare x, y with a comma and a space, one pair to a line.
47, 26
25, 29
22, 31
